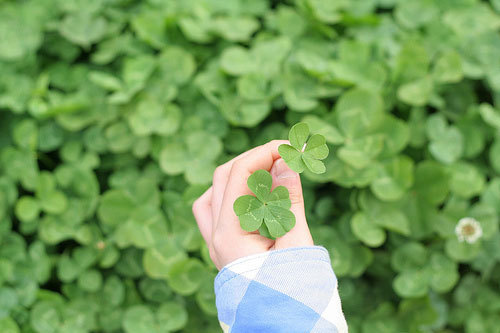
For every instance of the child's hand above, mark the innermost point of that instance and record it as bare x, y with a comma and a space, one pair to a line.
220, 226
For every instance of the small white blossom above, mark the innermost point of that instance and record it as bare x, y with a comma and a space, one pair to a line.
468, 229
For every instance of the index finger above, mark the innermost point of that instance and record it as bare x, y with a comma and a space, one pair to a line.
261, 158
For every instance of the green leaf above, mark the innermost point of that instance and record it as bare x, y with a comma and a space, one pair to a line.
491, 194
446, 141
253, 86
115, 207
466, 181
21, 166
237, 61
173, 159
366, 231
136, 70
288, 21
299, 133
409, 257
448, 68
360, 70
396, 134
304, 152
362, 151
105, 80
235, 28
18, 40
416, 93
386, 215
359, 111
185, 276
319, 126
487, 217
90, 280
159, 260
52, 231
395, 178
146, 227
119, 137
474, 136
412, 61
177, 65
8, 325
151, 117
45, 316
27, 209
490, 115
412, 283
271, 54
83, 28
171, 316
196, 30
431, 182
471, 21
416, 124
415, 14
494, 155
26, 134
9, 300
139, 319
444, 273
461, 251
205, 298
54, 202
195, 158
348, 176
151, 28
240, 112
114, 290
269, 208
327, 12
420, 311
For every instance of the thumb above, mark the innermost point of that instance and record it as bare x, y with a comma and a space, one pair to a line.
299, 235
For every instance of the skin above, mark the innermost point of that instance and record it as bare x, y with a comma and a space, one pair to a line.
220, 226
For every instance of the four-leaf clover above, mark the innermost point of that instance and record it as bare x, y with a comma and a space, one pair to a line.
304, 152
269, 212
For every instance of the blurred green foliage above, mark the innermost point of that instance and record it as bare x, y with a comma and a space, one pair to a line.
114, 114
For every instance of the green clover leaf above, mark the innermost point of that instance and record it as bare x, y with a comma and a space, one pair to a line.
195, 157
447, 142
269, 212
8, 325
304, 152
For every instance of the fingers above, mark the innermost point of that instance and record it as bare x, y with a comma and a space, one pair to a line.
202, 210
262, 157
299, 235
221, 175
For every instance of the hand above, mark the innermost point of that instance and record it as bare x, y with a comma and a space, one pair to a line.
220, 226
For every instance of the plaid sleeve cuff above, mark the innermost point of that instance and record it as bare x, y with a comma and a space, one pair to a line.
290, 290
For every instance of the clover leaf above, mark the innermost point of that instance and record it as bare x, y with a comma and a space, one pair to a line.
447, 142
195, 157
269, 212
8, 324
304, 152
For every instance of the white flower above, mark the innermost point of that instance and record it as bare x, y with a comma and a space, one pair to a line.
468, 229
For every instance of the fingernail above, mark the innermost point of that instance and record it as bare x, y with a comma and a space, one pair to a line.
283, 171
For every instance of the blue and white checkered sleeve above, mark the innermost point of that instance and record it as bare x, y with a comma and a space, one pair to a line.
290, 290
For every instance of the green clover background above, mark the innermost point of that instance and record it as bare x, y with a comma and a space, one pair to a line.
115, 113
